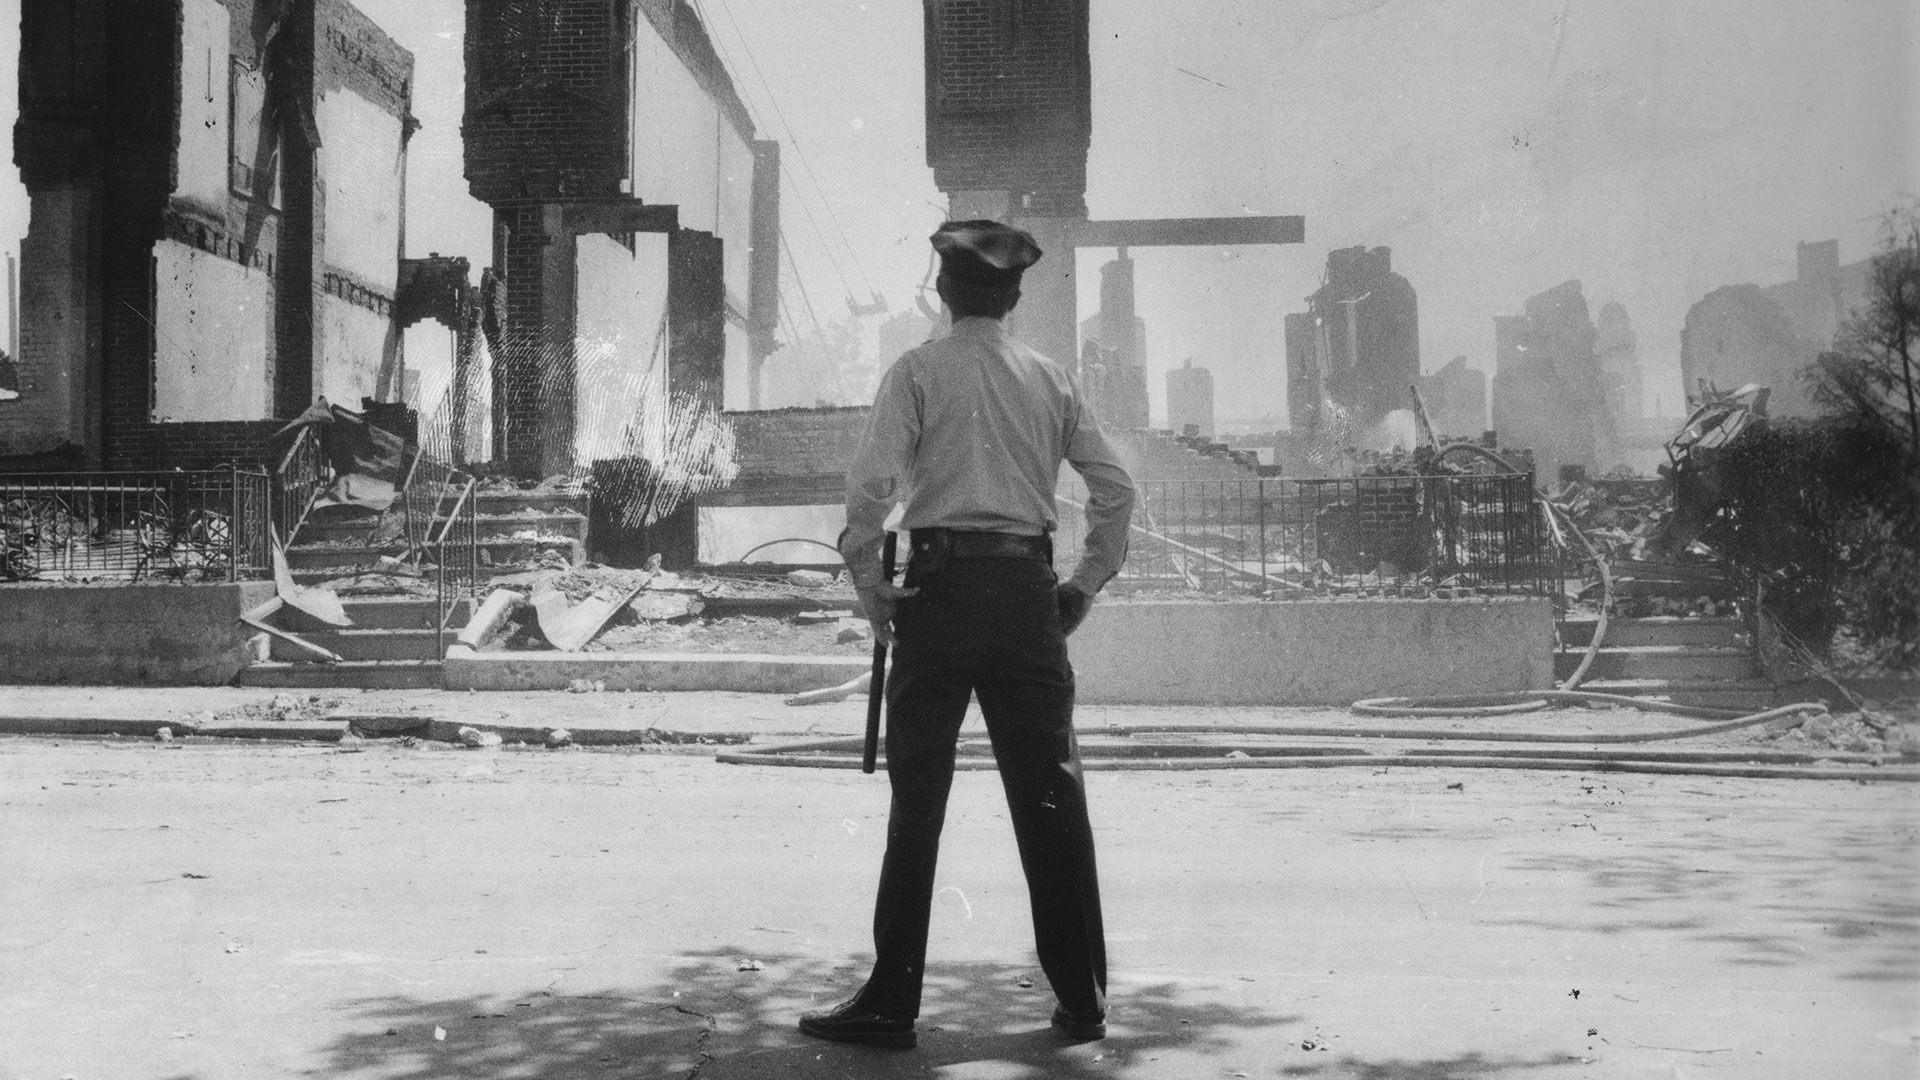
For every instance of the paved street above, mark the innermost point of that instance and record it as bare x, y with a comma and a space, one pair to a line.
225, 910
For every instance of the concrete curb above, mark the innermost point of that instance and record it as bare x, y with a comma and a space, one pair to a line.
295, 731
751, 673
335, 728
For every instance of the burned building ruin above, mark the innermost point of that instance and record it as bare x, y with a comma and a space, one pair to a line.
216, 227
1009, 121
1356, 349
635, 223
1740, 334
1547, 390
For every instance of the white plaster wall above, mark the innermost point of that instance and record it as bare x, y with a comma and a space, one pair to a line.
360, 158
356, 339
675, 134
621, 299
213, 319
205, 60
728, 532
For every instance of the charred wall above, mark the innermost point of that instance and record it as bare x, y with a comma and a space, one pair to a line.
175, 272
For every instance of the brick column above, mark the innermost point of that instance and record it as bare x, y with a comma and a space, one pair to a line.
696, 316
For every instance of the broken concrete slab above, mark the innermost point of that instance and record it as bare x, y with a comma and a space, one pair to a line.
467, 669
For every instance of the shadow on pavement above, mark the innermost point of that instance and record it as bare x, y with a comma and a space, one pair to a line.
709, 1019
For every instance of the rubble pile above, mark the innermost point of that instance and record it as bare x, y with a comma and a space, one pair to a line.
1856, 732
650, 610
281, 709
1621, 516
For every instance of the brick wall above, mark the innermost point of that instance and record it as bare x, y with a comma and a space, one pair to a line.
1009, 99
99, 130
781, 443
547, 124
546, 101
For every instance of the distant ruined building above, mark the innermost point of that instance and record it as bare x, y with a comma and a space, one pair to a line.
1548, 394
1113, 353
1190, 400
1617, 351
1740, 334
1456, 399
1355, 351
1009, 120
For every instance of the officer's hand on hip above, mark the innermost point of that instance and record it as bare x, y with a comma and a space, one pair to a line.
1074, 605
879, 603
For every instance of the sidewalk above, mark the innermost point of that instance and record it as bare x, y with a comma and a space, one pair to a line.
612, 718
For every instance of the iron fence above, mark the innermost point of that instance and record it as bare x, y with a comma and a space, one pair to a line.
210, 525
1286, 538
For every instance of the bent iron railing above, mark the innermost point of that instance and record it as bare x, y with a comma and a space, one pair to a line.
454, 552
298, 480
1286, 538
207, 525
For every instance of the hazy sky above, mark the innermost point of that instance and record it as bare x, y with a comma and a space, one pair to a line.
1654, 149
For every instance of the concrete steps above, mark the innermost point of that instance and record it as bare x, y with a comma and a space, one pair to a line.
1754, 695
1655, 630
1695, 662
364, 674
1688, 660
564, 523
345, 559
365, 645
392, 644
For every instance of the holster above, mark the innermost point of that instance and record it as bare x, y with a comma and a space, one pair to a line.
928, 553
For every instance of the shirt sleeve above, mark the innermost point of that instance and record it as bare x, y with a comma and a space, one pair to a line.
881, 469
1109, 501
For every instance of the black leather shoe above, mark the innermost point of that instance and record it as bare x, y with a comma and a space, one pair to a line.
1081, 1026
852, 1022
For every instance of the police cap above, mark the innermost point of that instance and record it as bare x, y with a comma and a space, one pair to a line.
984, 252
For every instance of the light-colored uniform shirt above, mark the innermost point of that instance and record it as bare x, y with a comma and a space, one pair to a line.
969, 432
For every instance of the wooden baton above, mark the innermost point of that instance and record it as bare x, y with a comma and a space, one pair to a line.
877, 687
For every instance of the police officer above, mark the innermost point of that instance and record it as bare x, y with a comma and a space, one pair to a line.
968, 432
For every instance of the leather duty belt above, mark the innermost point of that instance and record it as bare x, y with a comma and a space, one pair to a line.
985, 545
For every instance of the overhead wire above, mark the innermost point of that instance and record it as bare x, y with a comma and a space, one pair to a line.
799, 151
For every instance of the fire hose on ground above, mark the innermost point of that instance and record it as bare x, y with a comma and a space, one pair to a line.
1602, 754
843, 752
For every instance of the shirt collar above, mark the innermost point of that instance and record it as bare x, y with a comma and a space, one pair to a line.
981, 326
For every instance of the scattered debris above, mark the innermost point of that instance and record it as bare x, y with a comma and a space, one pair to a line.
654, 606
558, 738
858, 685
164, 734
281, 708
810, 579
854, 630
587, 686
476, 738
751, 965
1852, 731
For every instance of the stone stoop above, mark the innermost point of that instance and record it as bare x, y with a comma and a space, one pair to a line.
334, 541
391, 644
1690, 661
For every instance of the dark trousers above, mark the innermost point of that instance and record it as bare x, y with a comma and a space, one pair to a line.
987, 627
